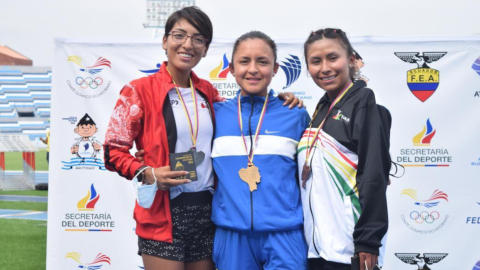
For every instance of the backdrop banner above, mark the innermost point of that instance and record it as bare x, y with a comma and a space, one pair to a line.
430, 85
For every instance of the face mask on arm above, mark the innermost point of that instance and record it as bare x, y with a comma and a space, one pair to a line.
145, 193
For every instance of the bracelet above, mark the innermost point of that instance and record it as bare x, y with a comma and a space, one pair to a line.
154, 177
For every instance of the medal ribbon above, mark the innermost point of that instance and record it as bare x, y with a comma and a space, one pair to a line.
257, 131
339, 97
193, 132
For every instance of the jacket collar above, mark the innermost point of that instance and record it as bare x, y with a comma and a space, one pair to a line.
167, 79
245, 99
356, 85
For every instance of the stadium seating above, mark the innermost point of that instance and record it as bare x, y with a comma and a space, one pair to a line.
25, 98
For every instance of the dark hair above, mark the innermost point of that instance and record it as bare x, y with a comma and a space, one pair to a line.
256, 35
357, 56
331, 33
195, 17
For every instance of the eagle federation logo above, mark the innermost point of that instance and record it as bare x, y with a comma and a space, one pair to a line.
422, 262
292, 68
422, 81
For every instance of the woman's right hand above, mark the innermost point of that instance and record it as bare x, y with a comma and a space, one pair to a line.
165, 177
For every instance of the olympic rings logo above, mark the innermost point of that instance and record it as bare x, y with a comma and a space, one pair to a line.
424, 216
89, 82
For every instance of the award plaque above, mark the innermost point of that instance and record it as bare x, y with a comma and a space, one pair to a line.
184, 162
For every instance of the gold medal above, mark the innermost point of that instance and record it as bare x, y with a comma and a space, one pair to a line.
251, 176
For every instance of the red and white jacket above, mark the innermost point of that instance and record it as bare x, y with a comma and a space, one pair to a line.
143, 114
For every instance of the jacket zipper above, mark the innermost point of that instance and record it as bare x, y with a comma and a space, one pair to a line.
310, 205
251, 148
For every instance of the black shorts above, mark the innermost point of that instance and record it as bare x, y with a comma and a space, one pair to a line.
193, 230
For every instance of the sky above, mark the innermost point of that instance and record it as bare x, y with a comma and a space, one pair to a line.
30, 26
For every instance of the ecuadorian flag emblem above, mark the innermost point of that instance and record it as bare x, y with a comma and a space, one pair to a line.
423, 82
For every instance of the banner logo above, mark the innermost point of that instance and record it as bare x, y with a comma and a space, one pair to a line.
88, 222
424, 156
219, 79
474, 219
422, 81
425, 136
89, 201
292, 68
96, 264
422, 262
423, 218
221, 71
86, 149
89, 84
97, 67
151, 71
433, 201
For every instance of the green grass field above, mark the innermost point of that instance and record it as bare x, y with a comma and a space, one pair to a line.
25, 192
14, 161
34, 206
23, 245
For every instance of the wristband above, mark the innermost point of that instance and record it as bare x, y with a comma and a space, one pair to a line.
140, 173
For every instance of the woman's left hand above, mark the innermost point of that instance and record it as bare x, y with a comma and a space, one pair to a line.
291, 100
139, 155
367, 260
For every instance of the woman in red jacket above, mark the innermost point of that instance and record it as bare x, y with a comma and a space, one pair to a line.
170, 112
